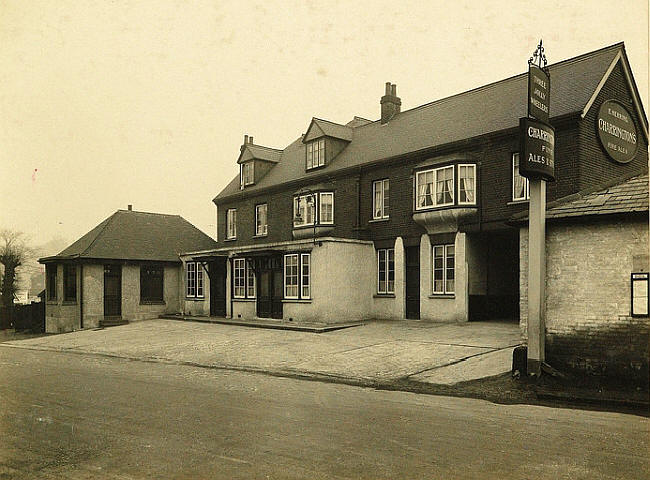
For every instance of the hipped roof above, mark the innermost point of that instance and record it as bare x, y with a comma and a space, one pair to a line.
130, 235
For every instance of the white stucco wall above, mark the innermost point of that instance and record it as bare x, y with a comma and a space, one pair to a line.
447, 308
133, 309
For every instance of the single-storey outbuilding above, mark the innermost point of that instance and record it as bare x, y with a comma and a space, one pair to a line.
126, 268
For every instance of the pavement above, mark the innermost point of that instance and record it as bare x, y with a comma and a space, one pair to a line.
377, 353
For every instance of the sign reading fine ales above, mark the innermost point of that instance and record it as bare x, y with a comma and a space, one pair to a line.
617, 131
536, 160
539, 93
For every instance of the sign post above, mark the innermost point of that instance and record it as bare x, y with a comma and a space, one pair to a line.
537, 163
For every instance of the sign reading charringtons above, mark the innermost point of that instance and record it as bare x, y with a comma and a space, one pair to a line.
537, 150
617, 131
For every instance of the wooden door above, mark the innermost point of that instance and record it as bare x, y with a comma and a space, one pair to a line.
112, 290
217, 274
269, 287
413, 282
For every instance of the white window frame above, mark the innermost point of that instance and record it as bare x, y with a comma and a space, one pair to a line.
387, 254
190, 279
247, 174
296, 257
434, 187
231, 223
515, 157
445, 256
239, 278
381, 187
305, 278
302, 201
261, 230
251, 289
320, 208
640, 294
473, 168
200, 287
315, 153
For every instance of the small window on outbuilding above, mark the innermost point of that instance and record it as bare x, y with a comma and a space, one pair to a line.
70, 283
151, 283
640, 292
50, 274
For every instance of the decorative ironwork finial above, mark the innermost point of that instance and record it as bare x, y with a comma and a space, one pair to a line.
538, 57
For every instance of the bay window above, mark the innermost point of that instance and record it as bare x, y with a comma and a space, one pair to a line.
313, 208
435, 187
443, 269
467, 184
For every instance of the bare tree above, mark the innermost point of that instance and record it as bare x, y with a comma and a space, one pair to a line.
14, 253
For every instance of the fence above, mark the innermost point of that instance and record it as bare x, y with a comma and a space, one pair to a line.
24, 317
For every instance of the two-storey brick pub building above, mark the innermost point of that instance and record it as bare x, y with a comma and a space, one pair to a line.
411, 215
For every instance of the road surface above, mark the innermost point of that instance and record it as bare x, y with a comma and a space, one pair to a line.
65, 415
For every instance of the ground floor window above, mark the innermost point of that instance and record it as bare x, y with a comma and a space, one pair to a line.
50, 275
70, 283
444, 269
640, 293
297, 276
194, 280
151, 283
243, 279
386, 270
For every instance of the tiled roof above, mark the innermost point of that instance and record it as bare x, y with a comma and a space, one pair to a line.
129, 235
491, 108
628, 197
261, 153
332, 129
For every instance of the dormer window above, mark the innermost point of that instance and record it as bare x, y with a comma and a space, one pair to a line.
316, 153
247, 176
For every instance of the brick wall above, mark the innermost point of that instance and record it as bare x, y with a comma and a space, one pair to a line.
588, 322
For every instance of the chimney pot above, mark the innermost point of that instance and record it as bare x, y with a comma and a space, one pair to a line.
250, 139
130, 207
387, 88
245, 139
393, 90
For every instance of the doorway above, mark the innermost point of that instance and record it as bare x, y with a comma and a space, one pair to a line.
112, 290
217, 273
412, 282
269, 287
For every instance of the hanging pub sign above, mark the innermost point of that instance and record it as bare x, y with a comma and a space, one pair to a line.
539, 93
616, 131
537, 147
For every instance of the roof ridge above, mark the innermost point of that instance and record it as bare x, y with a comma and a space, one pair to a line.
108, 221
147, 213
507, 79
333, 123
264, 146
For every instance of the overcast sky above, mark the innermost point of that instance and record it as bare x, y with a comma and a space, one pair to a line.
109, 103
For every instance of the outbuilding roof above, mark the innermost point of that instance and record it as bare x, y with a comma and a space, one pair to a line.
628, 197
487, 109
130, 235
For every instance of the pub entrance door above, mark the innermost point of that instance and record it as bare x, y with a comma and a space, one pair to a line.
217, 273
269, 286
112, 290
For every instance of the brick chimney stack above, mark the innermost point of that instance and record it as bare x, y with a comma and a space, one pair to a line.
390, 103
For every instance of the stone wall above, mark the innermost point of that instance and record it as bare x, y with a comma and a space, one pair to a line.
588, 322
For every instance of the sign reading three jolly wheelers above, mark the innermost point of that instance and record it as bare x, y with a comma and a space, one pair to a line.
537, 163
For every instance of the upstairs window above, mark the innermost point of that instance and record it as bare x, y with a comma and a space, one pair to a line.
50, 274
260, 219
151, 283
380, 196
69, 283
467, 184
520, 184
247, 174
435, 187
313, 207
231, 223
316, 153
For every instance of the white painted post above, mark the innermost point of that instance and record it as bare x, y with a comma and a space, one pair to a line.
536, 276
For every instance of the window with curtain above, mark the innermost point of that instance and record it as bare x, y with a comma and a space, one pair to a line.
520, 184
466, 184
